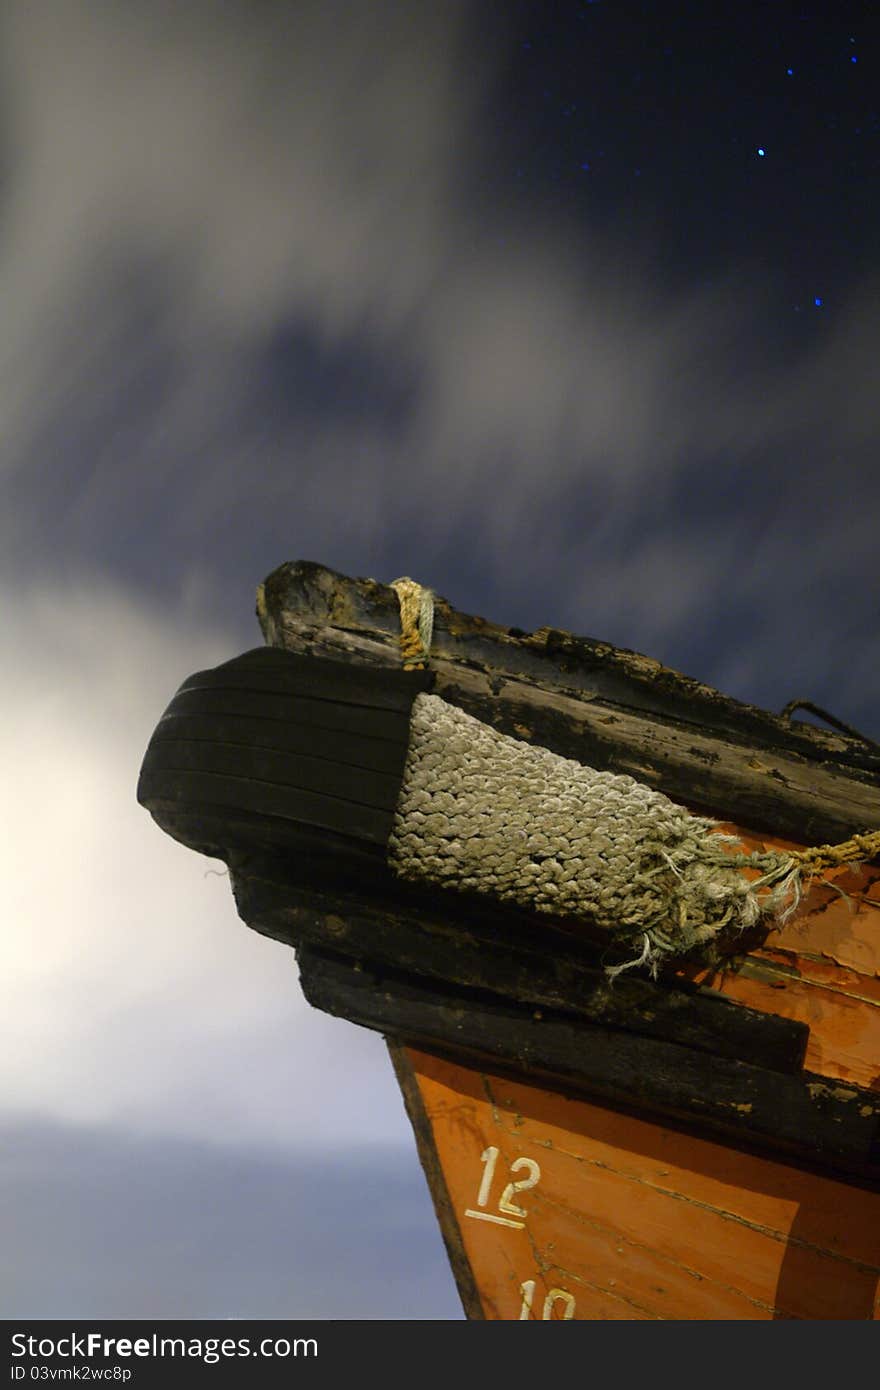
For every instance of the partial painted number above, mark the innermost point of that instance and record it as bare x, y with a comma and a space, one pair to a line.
562, 1297
534, 1172
489, 1157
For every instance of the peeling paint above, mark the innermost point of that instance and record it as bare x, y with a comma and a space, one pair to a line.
818, 1089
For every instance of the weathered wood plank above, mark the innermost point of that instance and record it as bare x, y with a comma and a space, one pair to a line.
783, 794
833, 1126
215, 793
360, 617
609, 708
400, 928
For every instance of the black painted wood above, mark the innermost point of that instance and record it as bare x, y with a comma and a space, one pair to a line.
270, 669
283, 736
511, 955
824, 1123
318, 746
210, 791
276, 767
357, 720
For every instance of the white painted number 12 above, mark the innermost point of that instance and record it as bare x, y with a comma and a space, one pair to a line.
513, 1215
490, 1157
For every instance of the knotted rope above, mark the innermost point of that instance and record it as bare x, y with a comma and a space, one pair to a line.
856, 850
416, 622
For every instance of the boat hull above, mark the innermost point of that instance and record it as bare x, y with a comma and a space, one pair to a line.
553, 1207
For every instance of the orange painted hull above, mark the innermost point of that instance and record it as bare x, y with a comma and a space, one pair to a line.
628, 1219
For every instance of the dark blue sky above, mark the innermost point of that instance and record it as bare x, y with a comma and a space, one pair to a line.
504, 297
101, 1225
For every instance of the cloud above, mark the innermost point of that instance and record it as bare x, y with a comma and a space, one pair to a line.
185, 185
131, 992
258, 161
254, 310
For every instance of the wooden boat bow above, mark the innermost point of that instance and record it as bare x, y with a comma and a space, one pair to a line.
769, 1043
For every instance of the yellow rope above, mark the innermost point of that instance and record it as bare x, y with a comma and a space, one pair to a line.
416, 622
858, 848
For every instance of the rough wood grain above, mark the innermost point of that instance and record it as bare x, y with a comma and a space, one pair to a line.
609, 708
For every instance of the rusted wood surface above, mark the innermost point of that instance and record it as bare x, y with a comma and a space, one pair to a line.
822, 1123
620, 1218
508, 954
608, 708
822, 966
841, 1007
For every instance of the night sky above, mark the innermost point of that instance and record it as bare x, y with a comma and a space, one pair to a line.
568, 311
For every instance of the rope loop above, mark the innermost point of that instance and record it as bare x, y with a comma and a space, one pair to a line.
416, 622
